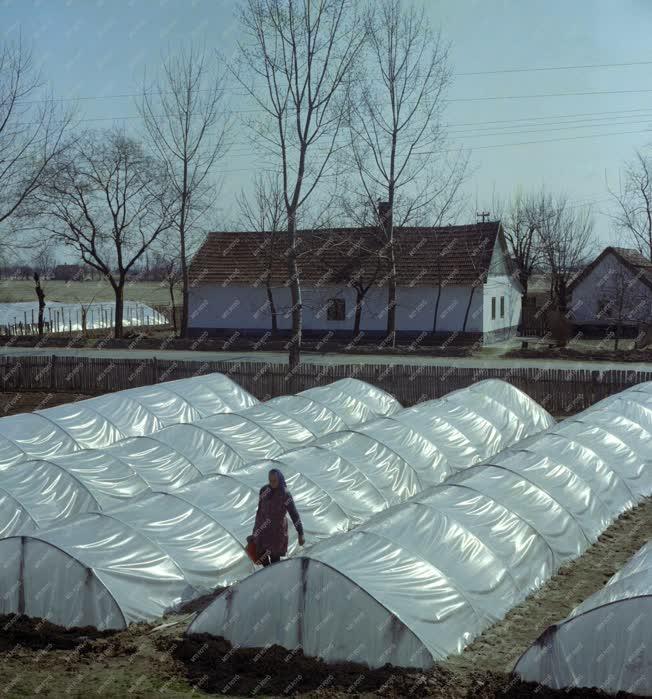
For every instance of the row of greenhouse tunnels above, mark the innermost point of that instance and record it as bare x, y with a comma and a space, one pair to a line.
411, 531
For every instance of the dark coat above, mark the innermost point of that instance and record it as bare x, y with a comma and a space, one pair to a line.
271, 527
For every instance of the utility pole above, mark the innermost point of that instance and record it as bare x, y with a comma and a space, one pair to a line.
484, 215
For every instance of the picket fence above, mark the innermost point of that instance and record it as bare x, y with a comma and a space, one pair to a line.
561, 391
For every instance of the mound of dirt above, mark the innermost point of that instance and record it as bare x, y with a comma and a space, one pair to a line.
39, 634
493, 685
213, 665
198, 604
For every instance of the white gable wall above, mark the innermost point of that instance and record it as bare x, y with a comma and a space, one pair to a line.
500, 285
600, 284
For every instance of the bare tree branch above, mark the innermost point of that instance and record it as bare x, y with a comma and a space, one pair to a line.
634, 203
109, 203
396, 135
304, 52
186, 125
31, 137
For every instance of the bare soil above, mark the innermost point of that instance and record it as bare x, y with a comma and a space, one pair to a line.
146, 660
27, 401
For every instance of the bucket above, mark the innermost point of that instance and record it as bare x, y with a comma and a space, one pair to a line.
250, 548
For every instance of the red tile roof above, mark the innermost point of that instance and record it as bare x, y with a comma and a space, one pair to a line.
456, 255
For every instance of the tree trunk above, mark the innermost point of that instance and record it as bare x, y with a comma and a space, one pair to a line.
40, 295
468, 308
388, 225
391, 299
119, 308
561, 296
185, 284
434, 320
41, 309
173, 310
357, 321
272, 309
294, 357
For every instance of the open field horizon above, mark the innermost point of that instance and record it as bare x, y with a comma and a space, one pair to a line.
150, 293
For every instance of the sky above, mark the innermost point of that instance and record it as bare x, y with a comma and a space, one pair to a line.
569, 129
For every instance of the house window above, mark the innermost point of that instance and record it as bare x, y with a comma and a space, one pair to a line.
493, 308
336, 309
603, 307
502, 306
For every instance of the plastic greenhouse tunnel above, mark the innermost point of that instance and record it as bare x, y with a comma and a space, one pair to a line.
198, 530
427, 576
605, 641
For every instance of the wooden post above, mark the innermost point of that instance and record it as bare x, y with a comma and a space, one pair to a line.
53, 384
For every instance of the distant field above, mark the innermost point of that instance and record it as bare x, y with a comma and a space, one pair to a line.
151, 293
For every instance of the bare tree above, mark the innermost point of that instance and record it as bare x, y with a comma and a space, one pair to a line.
173, 276
565, 233
109, 203
265, 213
302, 53
362, 268
43, 263
167, 269
186, 124
634, 203
624, 300
396, 132
32, 130
357, 261
44, 259
40, 295
522, 237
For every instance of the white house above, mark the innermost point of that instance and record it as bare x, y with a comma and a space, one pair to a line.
461, 274
614, 290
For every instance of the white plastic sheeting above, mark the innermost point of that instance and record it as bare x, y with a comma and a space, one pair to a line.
100, 479
605, 641
343, 479
93, 571
202, 526
65, 317
420, 580
101, 421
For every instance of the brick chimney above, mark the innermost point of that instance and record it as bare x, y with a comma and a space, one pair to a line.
384, 211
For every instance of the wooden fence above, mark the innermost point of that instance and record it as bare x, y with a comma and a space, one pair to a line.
561, 391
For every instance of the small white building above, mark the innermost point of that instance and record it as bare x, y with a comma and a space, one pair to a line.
614, 290
459, 274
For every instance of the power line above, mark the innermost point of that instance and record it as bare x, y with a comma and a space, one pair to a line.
239, 148
555, 140
551, 116
549, 94
552, 68
226, 88
458, 99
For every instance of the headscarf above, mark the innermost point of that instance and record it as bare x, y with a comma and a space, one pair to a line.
281, 479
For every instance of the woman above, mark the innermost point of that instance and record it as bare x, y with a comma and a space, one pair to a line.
271, 527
